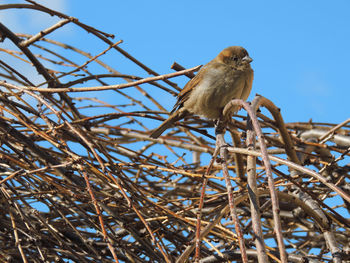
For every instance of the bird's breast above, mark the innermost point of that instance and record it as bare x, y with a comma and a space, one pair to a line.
213, 92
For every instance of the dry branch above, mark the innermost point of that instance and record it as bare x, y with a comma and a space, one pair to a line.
81, 180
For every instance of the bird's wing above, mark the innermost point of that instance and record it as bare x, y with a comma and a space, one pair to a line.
185, 92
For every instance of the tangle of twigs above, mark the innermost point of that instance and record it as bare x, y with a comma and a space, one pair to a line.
81, 179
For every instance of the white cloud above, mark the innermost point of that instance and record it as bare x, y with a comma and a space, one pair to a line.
58, 5
29, 20
40, 18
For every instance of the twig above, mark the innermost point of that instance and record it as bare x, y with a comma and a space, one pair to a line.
201, 202
41, 34
18, 242
325, 137
265, 157
254, 196
98, 212
223, 155
90, 60
296, 167
110, 87
17, 41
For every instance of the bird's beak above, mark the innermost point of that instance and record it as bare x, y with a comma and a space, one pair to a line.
247, 58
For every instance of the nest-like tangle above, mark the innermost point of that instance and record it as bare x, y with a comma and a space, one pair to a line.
82, 181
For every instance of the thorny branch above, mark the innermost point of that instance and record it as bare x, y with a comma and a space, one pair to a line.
81, 181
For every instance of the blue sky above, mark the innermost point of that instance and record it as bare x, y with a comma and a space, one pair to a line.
300, 48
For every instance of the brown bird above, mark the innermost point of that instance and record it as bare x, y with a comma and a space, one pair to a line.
228, 76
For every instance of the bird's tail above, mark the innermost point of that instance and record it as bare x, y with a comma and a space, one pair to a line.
174, 117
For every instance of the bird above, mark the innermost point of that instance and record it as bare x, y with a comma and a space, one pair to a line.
228, 76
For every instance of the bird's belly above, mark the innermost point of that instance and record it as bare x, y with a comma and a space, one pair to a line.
209, 98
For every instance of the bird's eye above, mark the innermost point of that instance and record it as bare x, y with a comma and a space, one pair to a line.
234, 58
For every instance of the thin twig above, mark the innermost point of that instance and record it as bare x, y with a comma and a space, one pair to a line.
201, 203
265, 157
296, 167
41, 34
223, 155
254, 196
110, 87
